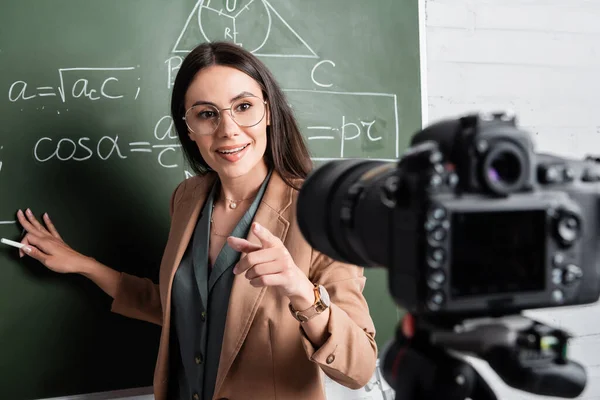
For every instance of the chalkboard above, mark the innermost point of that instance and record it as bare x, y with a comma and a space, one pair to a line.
85, 135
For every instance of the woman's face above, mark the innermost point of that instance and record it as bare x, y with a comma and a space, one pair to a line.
231, 150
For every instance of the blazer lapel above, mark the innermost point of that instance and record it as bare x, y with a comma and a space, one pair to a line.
245, 299
183, 227
184, 221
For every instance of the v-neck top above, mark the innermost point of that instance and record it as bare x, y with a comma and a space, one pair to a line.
200, 297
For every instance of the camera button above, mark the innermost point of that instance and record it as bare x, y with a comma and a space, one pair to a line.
437, 213
436, 257
452, 180
435, 181
436, 280
438, 234
569, 174
435, 301
590, 175
557, 296
557, 276
558, 259
572, 273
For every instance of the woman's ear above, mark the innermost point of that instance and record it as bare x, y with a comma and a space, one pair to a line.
268, 115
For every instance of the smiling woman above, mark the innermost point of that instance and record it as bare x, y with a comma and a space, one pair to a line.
248, 309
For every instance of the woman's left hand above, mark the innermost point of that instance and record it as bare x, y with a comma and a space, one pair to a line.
270, 264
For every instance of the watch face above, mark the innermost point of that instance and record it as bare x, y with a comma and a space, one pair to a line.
324, 296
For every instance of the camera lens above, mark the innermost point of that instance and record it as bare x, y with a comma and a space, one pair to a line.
331, 215
504, 169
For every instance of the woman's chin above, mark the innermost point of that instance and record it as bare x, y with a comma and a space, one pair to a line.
238, 170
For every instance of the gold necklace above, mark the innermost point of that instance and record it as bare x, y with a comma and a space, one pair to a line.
212, 222
234, 203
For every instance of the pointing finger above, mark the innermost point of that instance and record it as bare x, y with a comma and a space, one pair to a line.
266, 238
242, 245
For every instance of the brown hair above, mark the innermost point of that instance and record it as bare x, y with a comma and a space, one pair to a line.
286, 150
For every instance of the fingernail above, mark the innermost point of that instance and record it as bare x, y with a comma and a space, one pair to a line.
26, 249
257, 227
235, 269
28, 212
46, 215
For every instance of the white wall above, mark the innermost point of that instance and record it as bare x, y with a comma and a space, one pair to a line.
541, 59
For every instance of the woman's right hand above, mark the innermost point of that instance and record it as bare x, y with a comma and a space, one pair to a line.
45, 245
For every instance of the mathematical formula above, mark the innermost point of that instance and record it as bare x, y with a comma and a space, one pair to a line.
80, 83
109, 147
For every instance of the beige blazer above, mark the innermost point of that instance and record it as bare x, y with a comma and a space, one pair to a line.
265, 355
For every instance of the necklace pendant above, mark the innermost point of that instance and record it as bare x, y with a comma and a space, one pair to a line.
232, 205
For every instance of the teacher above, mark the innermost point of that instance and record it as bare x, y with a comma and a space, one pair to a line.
248, 309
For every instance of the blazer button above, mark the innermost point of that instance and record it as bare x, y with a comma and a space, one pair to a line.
196, 396
330, 359
203, 316
198, 359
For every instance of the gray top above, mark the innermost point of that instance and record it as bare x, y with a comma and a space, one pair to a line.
200, 297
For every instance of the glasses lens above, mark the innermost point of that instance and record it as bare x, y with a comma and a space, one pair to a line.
248, 111
202, 119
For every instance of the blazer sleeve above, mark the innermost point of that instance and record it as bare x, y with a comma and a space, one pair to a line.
137, 297
349, 354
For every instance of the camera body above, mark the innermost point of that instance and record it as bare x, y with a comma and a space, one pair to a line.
469, 222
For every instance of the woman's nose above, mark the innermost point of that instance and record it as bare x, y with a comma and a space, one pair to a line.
228, 126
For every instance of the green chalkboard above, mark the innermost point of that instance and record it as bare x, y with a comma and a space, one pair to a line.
85, 135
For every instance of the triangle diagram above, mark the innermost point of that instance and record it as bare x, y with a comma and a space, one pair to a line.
276, 39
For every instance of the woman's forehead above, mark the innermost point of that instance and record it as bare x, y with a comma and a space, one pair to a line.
220, 84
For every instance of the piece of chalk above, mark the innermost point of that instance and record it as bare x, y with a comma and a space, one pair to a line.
12, 243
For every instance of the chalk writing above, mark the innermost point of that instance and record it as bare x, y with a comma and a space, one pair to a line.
79, 83
344, 132
363, 123
249, 25
161, 133
312, 73
66, 149
108, 147
173, 64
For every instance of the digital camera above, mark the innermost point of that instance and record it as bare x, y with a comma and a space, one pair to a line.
470, 221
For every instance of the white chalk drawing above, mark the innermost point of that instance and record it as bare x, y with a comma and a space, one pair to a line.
343, 131
108, 147
230, 24
73, 85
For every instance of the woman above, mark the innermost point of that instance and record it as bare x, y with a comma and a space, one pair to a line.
248, 309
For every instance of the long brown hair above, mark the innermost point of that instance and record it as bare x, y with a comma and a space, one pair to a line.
286, 150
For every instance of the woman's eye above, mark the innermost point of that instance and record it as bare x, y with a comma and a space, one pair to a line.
243, 107
207, 114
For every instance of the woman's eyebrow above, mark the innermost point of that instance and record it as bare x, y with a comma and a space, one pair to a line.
237, 97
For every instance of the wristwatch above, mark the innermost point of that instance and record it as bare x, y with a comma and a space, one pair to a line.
322, 303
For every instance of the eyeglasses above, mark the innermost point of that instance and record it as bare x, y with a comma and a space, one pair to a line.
204, 119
